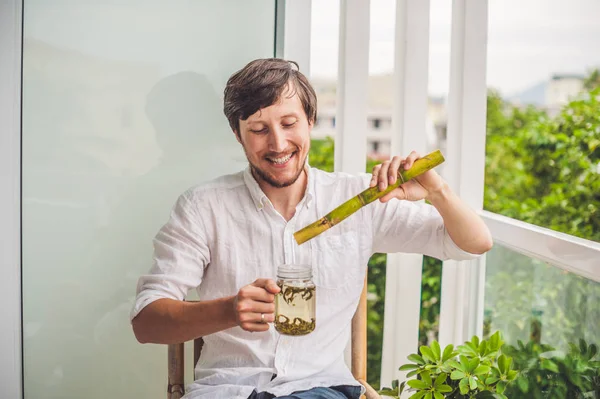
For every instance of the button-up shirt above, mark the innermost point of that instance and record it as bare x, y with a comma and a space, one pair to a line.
225, 234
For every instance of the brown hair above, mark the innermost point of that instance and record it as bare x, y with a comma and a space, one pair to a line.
260, 84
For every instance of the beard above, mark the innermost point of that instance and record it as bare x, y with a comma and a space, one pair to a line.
264, 176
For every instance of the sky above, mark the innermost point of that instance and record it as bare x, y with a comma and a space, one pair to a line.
528, 40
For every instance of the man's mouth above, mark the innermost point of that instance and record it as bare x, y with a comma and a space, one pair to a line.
281, 160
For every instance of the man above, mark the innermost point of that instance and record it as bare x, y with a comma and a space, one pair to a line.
226, 238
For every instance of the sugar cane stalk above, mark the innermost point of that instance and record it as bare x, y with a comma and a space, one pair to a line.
369, 195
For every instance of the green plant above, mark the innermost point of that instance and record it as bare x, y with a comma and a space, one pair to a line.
476, 369
551, 374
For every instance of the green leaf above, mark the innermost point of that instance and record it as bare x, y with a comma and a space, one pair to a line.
448, 352
435, 348
416, 358
417, 384
482, 348
426, 378
413, 373
473, 363
440, 380
395, 384
389, 392
494, 341
428, 396
503, 364
549, 365
463, 385
418, 395
438, 395
427, 354
481, 369
472, 383
491, 380
444, 388
593, 350
409, 366
457, 375
582, 345
523, 384
464, 363
401, 387
454, 364
501, 387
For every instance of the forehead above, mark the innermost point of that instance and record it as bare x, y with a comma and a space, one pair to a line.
288, 104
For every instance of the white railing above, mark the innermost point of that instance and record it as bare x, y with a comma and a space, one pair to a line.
573, 254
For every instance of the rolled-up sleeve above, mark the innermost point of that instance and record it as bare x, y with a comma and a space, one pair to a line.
402, 226
181, 254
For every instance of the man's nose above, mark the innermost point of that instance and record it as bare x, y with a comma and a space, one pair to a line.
277, 140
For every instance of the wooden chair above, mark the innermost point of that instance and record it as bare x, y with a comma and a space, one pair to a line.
176, 386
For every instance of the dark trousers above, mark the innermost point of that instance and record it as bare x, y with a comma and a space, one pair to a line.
337, 392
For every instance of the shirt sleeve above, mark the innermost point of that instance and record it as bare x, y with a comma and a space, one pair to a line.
413, 227
181, 254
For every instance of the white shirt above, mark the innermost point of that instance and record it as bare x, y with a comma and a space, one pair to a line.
226, 234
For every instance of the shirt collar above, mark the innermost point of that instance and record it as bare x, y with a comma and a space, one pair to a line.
259, 197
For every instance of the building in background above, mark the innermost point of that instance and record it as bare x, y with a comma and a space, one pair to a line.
550, 95
379, 116
561, 89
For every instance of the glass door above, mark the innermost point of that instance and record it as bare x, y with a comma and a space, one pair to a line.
122, 111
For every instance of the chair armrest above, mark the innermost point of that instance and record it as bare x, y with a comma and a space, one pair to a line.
370, 393
175, 387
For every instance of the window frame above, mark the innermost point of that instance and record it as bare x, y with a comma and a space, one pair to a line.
11, 27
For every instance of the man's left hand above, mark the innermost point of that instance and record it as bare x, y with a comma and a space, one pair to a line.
415, 189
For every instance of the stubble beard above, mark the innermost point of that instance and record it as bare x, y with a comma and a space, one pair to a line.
264, 176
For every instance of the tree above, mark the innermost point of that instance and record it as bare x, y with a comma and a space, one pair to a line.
545, 170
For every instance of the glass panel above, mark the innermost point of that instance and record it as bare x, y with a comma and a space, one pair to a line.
121, 113
547, 309
543, 120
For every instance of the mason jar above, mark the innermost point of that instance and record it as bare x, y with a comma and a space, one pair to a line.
295, 305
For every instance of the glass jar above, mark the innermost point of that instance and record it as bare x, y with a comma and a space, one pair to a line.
295, 305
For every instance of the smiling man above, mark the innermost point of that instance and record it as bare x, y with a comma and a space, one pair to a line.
226, 238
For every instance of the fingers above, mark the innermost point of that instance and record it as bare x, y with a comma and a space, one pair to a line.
250, 306
257, 318
410, 160
254, 305
382, 179
251, 293
255, 327
393, 170
386, 173
376, 169
267, 284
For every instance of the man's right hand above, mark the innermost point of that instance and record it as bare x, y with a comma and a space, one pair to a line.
252, 302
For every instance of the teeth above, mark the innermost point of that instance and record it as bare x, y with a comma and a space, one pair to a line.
281, 160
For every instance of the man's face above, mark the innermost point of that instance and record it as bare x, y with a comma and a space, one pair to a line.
276, 140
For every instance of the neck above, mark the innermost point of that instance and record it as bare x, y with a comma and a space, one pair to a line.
285, 199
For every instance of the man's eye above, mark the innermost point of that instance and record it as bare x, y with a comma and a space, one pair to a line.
289, 124
263, 130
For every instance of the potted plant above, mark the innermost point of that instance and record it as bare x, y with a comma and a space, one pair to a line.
476, 369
